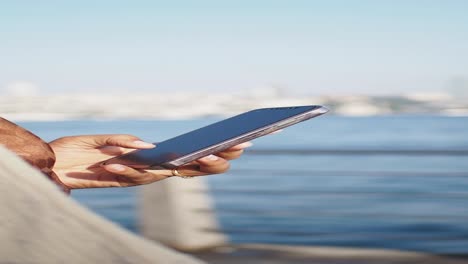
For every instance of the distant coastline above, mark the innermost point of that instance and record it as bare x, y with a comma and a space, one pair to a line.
196, 105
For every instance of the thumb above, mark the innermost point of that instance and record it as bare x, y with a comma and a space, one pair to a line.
128, 176
126, 141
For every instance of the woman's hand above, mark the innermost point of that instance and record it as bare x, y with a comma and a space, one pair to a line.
78, 161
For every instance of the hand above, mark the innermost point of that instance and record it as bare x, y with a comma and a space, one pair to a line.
78, 161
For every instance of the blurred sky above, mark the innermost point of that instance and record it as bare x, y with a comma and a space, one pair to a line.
313, 47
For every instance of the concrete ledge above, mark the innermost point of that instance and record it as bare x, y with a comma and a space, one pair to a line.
40, 224
282, 254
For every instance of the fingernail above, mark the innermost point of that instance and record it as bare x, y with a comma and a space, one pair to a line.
245, 145
210, 158
116, 167
143, 144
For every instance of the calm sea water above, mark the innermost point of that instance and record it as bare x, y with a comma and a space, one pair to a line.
379, 182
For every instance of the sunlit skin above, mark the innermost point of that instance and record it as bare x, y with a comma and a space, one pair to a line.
78, 162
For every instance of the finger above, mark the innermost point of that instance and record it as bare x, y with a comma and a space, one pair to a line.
241, 146
230, 155
127, 176
212, 164
190, 170
204, 166
113, 150
126, 141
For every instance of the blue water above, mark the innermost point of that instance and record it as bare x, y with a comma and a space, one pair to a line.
391, 200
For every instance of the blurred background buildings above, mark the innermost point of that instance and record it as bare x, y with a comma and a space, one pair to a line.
186, 105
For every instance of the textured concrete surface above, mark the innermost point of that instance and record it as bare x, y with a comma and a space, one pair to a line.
40, 224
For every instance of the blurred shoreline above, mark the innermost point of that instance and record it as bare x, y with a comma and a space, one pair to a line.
198, 105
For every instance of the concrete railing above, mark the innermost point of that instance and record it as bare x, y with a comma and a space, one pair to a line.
39, 224
170, 213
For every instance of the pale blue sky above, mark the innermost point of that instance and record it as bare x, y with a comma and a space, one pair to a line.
315, 47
